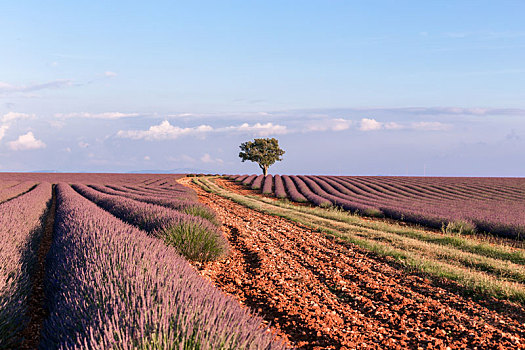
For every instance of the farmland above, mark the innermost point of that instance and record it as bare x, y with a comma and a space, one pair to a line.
489, 205
392, 284
118, 270
251, 262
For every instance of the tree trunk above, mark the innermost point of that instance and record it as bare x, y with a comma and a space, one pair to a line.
265, 171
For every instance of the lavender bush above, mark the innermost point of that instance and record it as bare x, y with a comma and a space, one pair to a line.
248, 181
292, 190
268, 185
184, 205
20, 232
490, 205
257, 182
111, 286
309, 194
195, 238
279, 190
325, 190
13, 191
241, 178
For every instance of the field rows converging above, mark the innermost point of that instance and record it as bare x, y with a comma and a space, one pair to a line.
109, 266
144, 294
325, 288
483, 205
266, 262
14, 190
482, 267
20, 233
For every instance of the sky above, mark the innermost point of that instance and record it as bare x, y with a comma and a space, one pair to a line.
432, 88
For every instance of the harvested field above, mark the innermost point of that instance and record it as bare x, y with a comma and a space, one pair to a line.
323, 292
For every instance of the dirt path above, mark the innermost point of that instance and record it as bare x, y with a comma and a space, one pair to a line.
36, 308
320, 293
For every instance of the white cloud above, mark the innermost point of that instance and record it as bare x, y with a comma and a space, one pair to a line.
206, 158
106, 115
57, 124
257, 129
437, 111
110, 74
147, 158
163, 131
166, 131
12, 116
83, 144
8, 118
336, 124
3, 129
370, 124
430, 126
393, 126
26, 142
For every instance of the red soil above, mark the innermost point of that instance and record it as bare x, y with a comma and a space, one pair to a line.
321, 293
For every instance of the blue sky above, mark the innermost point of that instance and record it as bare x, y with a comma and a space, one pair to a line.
348, 87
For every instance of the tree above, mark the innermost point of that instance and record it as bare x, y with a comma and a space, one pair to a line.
264, 152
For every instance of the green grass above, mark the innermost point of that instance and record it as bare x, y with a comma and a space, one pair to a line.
482, 266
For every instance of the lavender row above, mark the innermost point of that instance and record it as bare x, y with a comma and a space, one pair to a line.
184, 192
248, 181
333, 193
195, 238
437, 213
257, 182
267, 187
9, 183
506, 221
310, 194
187, 206
279, 189
177, 188
16, 190
113, 286
20, 232
434, 202
292, 191
145, 191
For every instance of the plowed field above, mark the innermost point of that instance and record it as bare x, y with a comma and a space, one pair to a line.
323, 293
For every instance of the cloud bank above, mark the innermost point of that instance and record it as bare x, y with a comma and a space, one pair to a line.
166, 131
106, 115
26, 142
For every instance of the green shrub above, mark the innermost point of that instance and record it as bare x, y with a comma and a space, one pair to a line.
194, 241
203, 212
461, 227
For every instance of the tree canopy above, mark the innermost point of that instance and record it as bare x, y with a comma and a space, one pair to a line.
264, 152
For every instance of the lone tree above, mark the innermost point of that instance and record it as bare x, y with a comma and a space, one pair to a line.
264, 152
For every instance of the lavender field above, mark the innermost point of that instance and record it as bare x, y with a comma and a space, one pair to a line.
118, 273
486, 205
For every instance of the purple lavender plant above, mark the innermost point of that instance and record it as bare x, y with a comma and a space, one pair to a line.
279, 190
21, 222
257, 182
268, 185
195, 238
111, 286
